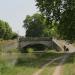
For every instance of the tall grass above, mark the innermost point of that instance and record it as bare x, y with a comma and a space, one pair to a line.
69, 66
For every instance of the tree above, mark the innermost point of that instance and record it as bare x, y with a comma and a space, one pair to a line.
50, 8
14, 35
6, 31
34, 25
66, 28
62, 12
2, 29
67, 22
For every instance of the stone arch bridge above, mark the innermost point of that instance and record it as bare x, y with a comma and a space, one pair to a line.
47, 41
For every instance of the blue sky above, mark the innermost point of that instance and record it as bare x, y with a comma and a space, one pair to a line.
15, 11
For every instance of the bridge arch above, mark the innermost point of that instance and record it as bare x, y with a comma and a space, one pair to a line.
24, 42
35, 43
36, 47
47, 41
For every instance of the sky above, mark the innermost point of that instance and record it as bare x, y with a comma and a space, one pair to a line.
15, 11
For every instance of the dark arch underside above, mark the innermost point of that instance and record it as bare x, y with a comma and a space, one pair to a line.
36, 47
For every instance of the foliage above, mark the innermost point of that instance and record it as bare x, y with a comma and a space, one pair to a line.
35, 26
2, 29
69, 65
14, 35
53, 9
6, 31
62, 12
67, 25
50, 8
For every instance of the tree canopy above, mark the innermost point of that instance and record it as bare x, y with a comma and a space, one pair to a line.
62, 12
35, 26
66, 27
5, 30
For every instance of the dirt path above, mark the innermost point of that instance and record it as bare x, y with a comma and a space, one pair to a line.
44, 66
59, 68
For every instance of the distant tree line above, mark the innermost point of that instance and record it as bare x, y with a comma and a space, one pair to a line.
6, 31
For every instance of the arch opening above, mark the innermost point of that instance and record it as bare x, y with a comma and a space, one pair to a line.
34, 48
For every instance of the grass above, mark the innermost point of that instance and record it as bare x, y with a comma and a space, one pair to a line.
49, 70
69, 66
17, 70
26, 64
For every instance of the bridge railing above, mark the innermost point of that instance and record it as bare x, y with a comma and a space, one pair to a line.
35, 38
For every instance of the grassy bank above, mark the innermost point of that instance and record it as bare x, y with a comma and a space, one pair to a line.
26, 64
69, 66
8, 46
7, 42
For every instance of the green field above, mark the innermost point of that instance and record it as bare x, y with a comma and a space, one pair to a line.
69, 66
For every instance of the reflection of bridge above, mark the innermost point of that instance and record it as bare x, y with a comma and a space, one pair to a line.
47, 41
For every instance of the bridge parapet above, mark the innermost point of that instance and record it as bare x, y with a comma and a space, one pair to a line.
35, 39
